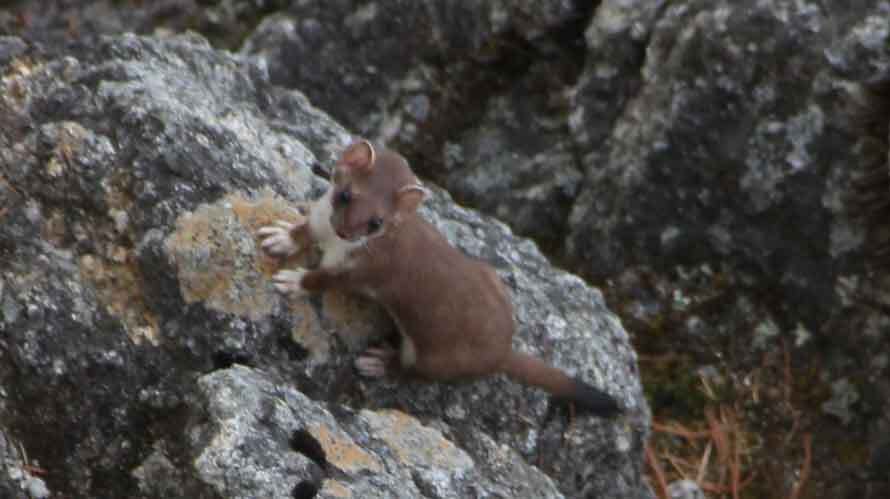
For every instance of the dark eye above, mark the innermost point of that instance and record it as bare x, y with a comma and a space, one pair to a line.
374, 224
344, 197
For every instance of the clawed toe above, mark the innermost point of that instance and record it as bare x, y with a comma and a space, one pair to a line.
380, 353
370, 367
289, 281
373, 362
277, 239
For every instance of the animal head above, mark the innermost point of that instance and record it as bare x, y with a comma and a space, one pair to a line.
372, 191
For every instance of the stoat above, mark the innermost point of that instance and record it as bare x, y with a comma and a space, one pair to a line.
453, 313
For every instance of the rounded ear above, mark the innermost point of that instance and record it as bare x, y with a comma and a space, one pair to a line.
409, 197
359, 155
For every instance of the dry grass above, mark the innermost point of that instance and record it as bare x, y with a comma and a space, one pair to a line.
720, 452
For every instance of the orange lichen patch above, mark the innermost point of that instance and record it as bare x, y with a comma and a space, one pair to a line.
341, 452
118, 286
333, 488
220, 263
216, 258
267, 210
353, 318
21, 67
414, 444
19, 70
118, 194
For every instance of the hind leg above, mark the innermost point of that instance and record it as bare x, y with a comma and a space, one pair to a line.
456, 363
377, 362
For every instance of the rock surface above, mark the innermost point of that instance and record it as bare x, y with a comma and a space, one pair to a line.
709, 160
133, 175
721, 167
518, 162
56, 24
373, 64
735, 185
18, 475
724, 153
676, 137
263, 439
473, 92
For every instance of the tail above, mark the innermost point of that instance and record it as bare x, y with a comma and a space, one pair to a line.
532, 371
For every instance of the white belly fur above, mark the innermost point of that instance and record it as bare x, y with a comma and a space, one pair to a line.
335, 251
336, 254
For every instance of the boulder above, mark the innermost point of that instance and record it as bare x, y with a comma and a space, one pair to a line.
735, 147
144, 352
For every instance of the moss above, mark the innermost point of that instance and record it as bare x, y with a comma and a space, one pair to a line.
676, 390
810, 389
851, 452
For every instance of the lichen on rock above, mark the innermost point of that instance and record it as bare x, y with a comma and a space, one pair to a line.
151, 356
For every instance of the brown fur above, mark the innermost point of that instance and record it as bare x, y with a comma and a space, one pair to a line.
452, 310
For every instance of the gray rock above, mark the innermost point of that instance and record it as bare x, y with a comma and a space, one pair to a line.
518, 162
369, 63
111, 323
727, 139
15, 470
10, 47
472, 91
54, 25
262, 438
36, 488
843, 396
685, 489
617, 38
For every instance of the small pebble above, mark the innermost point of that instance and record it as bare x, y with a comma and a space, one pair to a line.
36, 488
685, 489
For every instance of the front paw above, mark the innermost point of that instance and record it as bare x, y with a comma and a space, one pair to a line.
290, 282
278, 239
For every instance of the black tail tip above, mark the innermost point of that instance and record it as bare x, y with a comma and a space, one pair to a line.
595, 401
